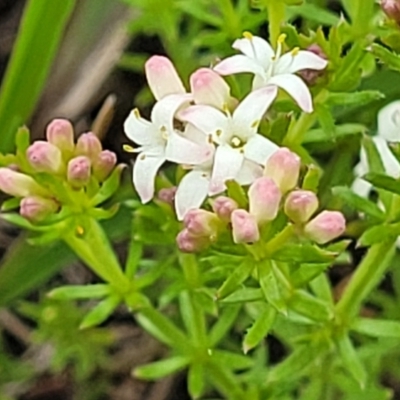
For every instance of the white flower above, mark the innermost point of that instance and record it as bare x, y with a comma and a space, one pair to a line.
273, 68
159, 142
240, 151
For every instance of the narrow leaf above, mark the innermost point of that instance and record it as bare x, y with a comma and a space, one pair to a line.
80, 292
160, 369
382, 181
377, 327
101, 312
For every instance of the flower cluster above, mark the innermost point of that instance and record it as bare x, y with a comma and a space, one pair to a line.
267, 196
72, 167
209, 132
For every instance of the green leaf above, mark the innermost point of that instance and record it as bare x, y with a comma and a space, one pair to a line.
303, 253
80, 292
160, 369
382, 181
374, 159
314, 13
312, 178
312, 307
100, 312
341, 131
358, 203
223, 324
196, 380
201, 13
389, 58
10, 204
36, 45
239, 275
259, 330
355, 98
326, 121
377, 327
307, 272
244, 295
351, 361
237, 193
231, 360
378, 234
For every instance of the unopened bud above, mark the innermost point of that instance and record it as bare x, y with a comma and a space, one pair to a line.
60, 133
88, 145
392, 9
201, 223
78, 173
37, 208
300, 205
44, 157
224, 206
311, 75
264, 199
103, 164
189, 243
326, 226
167, 195
18, 184
244, 227
284, 168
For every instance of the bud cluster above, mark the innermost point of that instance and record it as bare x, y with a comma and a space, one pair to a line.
267, 196
74, 165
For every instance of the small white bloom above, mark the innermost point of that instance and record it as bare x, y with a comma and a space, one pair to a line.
159, 142
270, 67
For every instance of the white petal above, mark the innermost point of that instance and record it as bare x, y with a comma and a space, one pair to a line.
227, 164
289, 63
249, 112
144, 173
191, 192
209, 88
256, 48
249, 172
389, 122
195, 135
361, 187
392, 166
296, 88
139, 130
237, 64
164, 110
208, 119
259, 149
183, 151
162, 77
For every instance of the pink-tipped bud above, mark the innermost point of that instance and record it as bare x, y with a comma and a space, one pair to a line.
300, 205
224, 206
167, 195
18, 184
78, 172
60, 133
44, 157
37, 208
284, 168
264, 199
189, 243
201, 223
311, 75
244, 227
326, 226
88, 145
103, 164
392, 9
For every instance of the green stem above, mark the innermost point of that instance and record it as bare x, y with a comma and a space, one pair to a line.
276, 15
279, 240
365, 278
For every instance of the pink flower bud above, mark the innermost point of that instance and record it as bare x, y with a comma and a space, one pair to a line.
244, 227
189, 243
300, 205
326, 226
392, 9
201, 223
224, 206
167, 195
78, 173
88, 145
60, 133
264, 199
284, 168
37, 208
44, 157
18, 184
311, 75
103, 164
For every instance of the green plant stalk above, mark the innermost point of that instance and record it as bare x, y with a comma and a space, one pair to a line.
364, 279
276, 15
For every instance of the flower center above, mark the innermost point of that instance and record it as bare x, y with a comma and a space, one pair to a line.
164, 132
236, 142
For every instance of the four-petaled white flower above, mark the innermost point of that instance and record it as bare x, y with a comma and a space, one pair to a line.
270, 67
159, 142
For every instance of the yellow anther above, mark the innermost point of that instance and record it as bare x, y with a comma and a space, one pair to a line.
236, 142
136, 113
255, 123
79, 230
295, 51
163, 128
282, 38
210, 139
218, 132
142, 156
247, 35
128, 148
